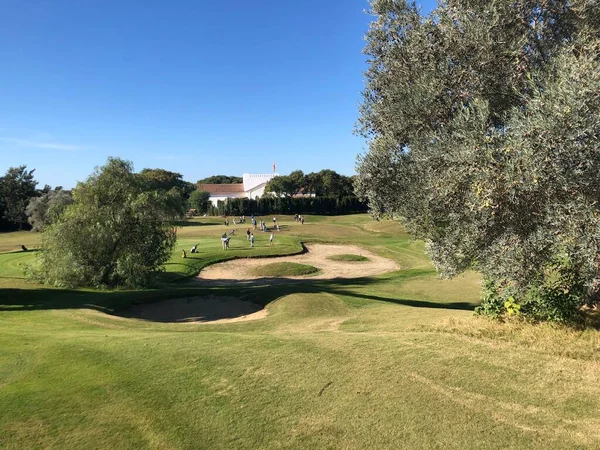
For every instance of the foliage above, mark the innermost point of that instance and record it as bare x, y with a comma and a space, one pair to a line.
483, 122
114, 233
512, 308
221, 179
17, 186
45, 209
199, 200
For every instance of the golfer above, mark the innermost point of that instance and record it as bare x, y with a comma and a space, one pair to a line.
225, 241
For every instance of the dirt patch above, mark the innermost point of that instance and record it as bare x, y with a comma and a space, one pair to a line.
197, 310
317, 255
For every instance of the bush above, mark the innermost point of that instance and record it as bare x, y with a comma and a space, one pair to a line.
555, 295
113, 234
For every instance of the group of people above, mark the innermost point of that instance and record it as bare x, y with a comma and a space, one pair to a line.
242, 219
298, 218
250, 237
261, 224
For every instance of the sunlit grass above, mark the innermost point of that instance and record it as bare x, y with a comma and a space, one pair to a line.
284, 269
348, 258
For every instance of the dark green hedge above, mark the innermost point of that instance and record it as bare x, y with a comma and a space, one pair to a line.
287, 205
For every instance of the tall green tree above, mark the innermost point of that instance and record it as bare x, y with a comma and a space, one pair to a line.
483, 127
165, 180
17, 186
115, 233
199, 201
284, 185
176, 191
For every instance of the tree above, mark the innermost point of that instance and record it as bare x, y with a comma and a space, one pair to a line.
483, 136
199, 200
176, 191
164, 180
221, 179
284, 185
115, 233
313, 184
17, 186
45, 209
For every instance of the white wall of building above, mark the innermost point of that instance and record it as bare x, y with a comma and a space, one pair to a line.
254, 186
252, 180
224, 196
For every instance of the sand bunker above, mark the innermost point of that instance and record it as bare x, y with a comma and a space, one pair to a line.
241, 269
214, 309
197, 310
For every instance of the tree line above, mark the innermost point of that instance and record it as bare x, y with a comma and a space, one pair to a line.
326, 183
221, 179
24, 207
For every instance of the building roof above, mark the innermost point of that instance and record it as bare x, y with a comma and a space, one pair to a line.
221, 188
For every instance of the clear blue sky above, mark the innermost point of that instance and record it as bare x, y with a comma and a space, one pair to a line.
197, 87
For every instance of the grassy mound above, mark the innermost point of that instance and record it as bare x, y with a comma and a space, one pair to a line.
284, 269
348, 258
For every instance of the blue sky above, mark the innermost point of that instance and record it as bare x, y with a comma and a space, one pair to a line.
197, 87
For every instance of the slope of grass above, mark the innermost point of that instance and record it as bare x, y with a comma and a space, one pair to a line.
348, 258
394, 361
284, 269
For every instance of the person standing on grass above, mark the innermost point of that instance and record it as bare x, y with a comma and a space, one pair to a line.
224, 240
248, 234
251, 240
271, 238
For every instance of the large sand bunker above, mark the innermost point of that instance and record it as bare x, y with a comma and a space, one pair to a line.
197, 310
317, 254
212, 309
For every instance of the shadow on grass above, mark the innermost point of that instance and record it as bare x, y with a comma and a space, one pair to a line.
19, 251
259, 292
193, 223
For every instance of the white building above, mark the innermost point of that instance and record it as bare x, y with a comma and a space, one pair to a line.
253, 186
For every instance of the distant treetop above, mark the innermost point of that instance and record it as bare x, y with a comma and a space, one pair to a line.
220, 179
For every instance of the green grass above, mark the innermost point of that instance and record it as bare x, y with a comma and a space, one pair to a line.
284, 269
348, 258
394, 361
12, 241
